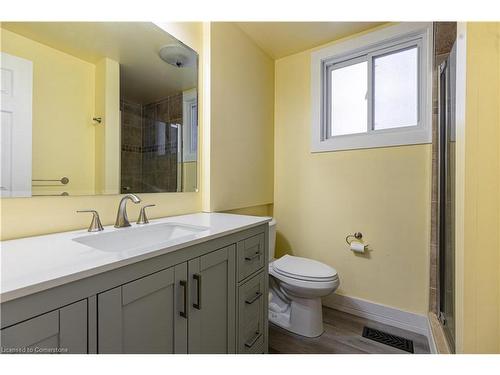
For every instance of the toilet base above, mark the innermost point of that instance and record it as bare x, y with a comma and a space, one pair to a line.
301, 316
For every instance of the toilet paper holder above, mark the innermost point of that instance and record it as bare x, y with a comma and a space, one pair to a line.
357, 236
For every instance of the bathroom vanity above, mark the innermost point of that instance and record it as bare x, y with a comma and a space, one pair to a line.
188, 284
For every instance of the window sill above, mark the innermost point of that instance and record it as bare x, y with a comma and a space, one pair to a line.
375, 139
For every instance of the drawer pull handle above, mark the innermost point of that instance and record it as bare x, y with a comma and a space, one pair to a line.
252, 257
254, 298
197, 305
184, 313
253, 340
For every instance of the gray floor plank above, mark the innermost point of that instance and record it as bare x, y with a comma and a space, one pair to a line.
343, 335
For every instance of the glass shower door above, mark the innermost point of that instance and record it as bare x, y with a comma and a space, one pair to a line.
447, 196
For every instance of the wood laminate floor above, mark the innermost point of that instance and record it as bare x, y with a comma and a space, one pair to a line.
343, 335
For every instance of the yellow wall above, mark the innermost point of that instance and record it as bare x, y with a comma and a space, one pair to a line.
63, 106
478, 168
320, 198
32, 216
107, 133
262, 210
241, 123
189, 175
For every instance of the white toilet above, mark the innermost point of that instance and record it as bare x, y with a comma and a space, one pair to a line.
296, 286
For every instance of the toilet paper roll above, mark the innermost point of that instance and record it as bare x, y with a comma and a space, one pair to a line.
357, 247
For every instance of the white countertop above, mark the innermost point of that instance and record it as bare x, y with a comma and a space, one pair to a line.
33, 264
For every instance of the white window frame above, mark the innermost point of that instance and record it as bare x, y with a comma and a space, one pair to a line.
377, 43
190, 125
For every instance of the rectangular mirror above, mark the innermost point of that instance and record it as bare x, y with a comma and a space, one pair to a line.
96, 108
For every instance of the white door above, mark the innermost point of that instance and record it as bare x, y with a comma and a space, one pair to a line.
16, 111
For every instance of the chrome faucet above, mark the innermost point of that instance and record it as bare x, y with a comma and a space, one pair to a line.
121, 217
95, 224
143, 218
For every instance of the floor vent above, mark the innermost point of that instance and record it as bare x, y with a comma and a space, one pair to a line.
388, 339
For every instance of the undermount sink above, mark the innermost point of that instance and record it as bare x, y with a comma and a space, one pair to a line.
139, 237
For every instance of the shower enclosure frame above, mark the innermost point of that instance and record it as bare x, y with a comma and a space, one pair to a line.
446, 191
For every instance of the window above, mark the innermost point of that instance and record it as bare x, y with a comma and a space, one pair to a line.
395, 89
190, 128
348, 110
373, 91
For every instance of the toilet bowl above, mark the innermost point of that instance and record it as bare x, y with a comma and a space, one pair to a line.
296, 286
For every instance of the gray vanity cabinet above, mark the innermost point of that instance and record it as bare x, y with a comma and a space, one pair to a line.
210, 297
144, 316
59, 331
212, 303
155, 313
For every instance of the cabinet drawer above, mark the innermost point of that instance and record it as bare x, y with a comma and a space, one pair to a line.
251, 255
251, 298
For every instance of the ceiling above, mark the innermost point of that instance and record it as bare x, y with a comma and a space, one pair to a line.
144, 77
280, 39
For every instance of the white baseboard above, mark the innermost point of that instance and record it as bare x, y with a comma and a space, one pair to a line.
383, 314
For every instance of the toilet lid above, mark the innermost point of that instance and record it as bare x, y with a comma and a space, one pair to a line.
304, 268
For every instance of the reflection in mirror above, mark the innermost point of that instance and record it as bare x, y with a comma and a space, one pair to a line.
96, 108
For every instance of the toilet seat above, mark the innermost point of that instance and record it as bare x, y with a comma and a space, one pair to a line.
304, 269
303, 278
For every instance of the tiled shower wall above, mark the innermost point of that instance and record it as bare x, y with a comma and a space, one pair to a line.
160, 146
131, 147
444, 37
149, 145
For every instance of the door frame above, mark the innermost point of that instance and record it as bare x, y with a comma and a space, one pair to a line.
17, 99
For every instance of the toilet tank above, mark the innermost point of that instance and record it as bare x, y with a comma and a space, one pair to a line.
272, 238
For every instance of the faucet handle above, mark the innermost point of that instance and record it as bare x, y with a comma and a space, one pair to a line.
95, 224
143, 219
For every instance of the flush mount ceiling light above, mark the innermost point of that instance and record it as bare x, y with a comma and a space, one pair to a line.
177, 55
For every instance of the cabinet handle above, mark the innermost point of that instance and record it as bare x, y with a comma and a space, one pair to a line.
197, 277
254, 298
253, 340
252, 257
184, 286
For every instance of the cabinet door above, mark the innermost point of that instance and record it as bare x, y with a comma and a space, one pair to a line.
58, 331
143, 315
212, 302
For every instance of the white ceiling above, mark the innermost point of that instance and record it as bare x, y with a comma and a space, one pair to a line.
280, 39
144, 76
